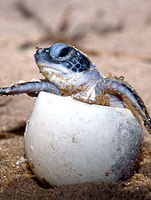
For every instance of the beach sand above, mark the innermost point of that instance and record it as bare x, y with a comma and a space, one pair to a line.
116, 35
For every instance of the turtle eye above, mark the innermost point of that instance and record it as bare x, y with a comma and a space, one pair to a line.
64, 52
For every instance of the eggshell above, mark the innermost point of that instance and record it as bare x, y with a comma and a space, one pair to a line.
68, 141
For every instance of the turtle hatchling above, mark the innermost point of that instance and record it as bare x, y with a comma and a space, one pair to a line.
69, 72
80, 129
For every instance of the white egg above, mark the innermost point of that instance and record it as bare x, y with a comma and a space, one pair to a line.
68, 141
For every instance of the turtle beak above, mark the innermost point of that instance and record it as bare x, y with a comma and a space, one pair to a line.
42, 57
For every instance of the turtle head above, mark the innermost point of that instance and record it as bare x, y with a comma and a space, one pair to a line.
66, 67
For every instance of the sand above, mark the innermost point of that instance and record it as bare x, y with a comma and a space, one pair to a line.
116, 35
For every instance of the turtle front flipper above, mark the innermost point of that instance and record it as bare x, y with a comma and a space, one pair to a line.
118, 87
31, 88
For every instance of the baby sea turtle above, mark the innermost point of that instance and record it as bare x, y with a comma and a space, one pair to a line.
69, 72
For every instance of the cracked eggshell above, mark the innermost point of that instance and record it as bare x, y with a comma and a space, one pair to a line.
68, 141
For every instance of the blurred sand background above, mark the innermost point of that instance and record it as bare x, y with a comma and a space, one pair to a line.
115, 34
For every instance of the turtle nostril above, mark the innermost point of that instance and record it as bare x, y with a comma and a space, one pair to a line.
37, 48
